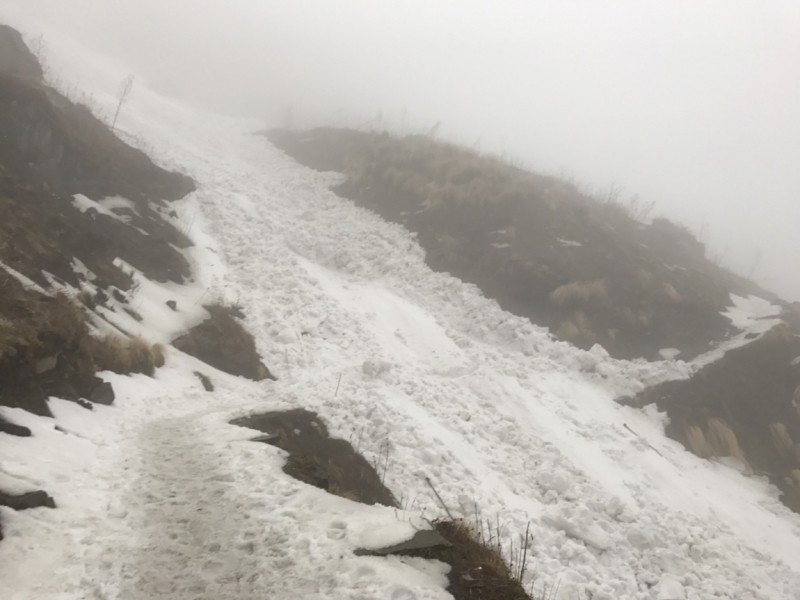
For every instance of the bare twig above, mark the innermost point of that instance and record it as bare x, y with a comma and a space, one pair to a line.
124, 92
337, 385
625, 425
438, 497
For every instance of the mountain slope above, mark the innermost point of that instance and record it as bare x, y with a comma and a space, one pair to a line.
159, 496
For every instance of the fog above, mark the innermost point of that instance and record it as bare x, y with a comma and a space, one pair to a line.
693, 105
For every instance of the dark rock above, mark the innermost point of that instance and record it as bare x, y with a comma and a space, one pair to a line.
426, 538
172, 304
85, 404
119, 296
317, 459
222, 342
102, 392
205, 380
12, 429
35, 499
48, 363
135, 315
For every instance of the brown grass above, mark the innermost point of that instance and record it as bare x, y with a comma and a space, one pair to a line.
580, 292
128, 355
782, 440
716, 441
479, 570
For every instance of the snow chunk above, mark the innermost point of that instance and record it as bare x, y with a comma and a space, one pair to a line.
571, 243
554, 480
375, 368
82, 203
578, 524
751, 313
669, 353
669, 588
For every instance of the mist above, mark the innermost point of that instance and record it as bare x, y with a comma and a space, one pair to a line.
695, 106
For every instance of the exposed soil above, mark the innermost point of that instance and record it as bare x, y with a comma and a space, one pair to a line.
745, 405
223, 343
319, 460
582, 267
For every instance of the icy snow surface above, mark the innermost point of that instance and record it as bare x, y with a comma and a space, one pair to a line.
159, 497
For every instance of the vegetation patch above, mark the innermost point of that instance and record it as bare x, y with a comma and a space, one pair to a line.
45, 348
745, 406
586, 266
316, 459
478, 568
126, 355
223, 343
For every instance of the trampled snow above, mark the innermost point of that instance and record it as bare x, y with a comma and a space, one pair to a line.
158, 496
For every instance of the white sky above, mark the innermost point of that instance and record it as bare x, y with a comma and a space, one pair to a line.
694, 104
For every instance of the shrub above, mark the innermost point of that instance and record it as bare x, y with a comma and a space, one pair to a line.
128, 355
580, 292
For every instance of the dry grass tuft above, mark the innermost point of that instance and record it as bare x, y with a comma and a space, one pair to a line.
576, 329
782, 440
580, 292
723, 440
479, 570
718, 440
128, 355
697, 442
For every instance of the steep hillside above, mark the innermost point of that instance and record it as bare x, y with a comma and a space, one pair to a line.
588, 270
745, 406
74, 201
409, 380
594, 274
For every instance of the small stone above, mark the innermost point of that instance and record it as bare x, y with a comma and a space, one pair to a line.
102, 392
172, 304
48, 363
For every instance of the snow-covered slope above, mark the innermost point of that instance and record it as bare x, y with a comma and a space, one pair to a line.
159, 497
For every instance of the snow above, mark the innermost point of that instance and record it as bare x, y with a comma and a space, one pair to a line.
569, 243
752, 313
158, 496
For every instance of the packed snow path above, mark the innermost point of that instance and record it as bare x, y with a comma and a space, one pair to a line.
172, 502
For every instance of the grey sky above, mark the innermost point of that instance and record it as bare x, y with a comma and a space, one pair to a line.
693, 104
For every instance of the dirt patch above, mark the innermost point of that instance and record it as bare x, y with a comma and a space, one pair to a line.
223, 343
478, 571
583, 266
745, 405
319, 460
